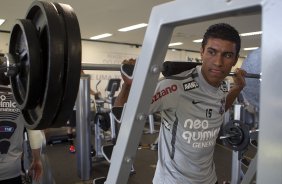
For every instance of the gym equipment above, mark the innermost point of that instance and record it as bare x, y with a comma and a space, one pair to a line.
83, 130
44, 62
26, 159
104, 120
176, 67
236, 134
157, 37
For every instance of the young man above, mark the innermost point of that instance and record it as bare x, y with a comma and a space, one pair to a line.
11, 139
193, 110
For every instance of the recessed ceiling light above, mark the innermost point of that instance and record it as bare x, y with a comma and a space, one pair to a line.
100, 36
175, 44
251, 48
2, 21
198, 40
137, 26
251, 33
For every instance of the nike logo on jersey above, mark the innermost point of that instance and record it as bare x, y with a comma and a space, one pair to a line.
195, 102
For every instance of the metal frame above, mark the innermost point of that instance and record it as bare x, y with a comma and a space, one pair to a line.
237, 175
83, 127
83, 112
236, 172
164, 18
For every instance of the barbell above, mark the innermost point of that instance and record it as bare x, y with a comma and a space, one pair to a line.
44, 63
176, 67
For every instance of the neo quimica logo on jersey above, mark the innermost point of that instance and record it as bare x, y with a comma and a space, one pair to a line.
7, 104
198, 134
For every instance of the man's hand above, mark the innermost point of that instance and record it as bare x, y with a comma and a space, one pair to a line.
239, 79
239, 84
127, 81
125, 89
36, 169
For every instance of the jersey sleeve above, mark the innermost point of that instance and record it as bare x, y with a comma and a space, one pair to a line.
165, 96
35, 138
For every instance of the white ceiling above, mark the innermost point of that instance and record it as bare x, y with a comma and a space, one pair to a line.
100, 16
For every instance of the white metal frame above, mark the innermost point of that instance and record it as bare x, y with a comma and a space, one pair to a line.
164, 18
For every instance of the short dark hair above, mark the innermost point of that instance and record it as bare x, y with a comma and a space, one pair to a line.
225, 32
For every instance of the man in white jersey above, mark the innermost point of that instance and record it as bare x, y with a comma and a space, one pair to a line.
192, 106
11, 139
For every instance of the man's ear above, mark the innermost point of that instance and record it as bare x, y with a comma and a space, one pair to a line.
202, 53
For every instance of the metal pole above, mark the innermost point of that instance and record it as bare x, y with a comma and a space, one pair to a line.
151, 124
108, 67
84, 163
250, 174
236, 163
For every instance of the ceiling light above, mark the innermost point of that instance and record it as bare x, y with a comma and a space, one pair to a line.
101, 36
2, 21
137, 26
251, 33
251, 48
175, 44
198, 41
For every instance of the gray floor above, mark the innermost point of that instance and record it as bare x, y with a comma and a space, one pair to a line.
63, 164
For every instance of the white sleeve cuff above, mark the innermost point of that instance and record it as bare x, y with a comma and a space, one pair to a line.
35, 138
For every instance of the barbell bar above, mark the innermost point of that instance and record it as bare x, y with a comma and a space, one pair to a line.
247, 75
176, 67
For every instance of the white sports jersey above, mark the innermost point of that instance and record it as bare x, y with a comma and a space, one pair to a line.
192, 113
11, 135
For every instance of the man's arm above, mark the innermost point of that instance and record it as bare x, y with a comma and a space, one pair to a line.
123, 95
36, 141
239, 84
125, 89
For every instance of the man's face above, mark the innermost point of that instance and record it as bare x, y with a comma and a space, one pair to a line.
218, 57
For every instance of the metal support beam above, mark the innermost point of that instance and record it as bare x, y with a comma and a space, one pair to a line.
108, 67
269, 164
236, 155
83, 112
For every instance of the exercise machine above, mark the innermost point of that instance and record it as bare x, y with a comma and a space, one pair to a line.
104, 121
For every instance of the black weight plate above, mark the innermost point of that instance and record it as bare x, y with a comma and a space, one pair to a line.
72, 63
25, 47
241, 141
50, 30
